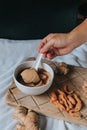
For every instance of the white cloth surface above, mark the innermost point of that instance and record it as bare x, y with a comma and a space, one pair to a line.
12, 52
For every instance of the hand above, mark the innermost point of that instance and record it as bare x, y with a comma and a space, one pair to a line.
60, 44
55, 45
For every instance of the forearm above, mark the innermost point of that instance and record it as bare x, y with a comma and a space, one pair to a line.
78, 35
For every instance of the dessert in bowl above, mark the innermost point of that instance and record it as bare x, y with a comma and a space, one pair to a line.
33, 82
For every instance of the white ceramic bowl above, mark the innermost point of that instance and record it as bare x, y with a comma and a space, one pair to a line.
32, 90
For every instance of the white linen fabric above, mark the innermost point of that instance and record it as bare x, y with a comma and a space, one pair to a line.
13, 52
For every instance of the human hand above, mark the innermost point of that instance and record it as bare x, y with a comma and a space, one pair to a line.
56, 44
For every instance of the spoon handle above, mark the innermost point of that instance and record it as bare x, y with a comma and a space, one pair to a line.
38, 60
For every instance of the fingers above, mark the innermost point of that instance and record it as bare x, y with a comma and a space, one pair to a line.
44, 42
50, 54
55, 45
47, 46
48, 49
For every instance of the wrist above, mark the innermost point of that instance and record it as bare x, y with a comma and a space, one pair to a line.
78, 35
75, 38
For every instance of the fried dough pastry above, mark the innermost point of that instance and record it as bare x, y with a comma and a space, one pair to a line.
67, 101
55, 101
66, 90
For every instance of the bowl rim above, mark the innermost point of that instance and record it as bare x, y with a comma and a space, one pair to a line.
30, 87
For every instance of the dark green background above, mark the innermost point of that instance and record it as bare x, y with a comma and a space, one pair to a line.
34, 19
